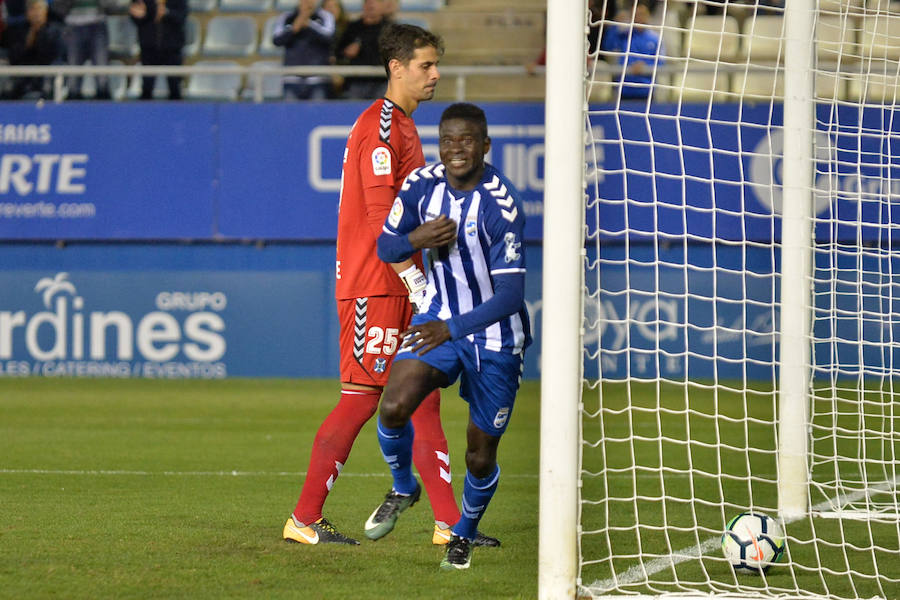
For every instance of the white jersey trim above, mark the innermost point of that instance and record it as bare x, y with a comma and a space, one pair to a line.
502, 271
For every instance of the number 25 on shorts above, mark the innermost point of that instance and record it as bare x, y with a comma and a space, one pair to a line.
382, 341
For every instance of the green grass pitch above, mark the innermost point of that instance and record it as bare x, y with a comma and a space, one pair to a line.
179, 489
162, 489
730, 465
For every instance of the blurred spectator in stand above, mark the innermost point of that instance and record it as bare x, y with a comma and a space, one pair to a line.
336, 8
390, 9
359, 46
16, 9
340, 16
15, 12
637, 49
162, 31
603, 12
3, 58
2, 48
85, 37
36, 41
340, 24
306, 33
601, 16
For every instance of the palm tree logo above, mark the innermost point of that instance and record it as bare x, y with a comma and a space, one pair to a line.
53, 286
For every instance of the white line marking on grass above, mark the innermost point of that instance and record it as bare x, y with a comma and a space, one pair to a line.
206, 473
171, 473
644, 571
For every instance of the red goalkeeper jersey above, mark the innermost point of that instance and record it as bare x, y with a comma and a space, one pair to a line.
383, 147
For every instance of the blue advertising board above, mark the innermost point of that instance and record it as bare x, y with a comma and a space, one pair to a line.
694, 312
690, 308
210, 171
177, 311
685, 311
272, 171
703, 171
281, 167
111, 171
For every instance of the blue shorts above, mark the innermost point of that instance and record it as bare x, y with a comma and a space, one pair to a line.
488, 380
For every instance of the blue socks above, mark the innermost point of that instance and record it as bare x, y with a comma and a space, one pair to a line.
477, 493
396, 447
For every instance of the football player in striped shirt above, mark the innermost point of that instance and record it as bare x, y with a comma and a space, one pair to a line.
467, 218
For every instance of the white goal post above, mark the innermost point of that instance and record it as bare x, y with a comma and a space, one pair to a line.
561, 300
721, 296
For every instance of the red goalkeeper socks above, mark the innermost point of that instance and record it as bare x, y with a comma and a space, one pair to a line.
331, 448
432, 460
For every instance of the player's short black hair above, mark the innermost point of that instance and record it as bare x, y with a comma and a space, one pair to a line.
401, 40
467, 111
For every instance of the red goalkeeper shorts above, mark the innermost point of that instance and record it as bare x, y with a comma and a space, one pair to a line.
370, 336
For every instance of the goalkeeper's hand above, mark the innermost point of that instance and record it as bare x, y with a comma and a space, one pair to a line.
416, 285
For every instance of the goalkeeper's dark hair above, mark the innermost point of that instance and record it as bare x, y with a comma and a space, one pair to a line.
401, 40
469, 112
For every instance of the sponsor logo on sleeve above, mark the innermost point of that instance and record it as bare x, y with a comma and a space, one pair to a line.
396, 213
381, 161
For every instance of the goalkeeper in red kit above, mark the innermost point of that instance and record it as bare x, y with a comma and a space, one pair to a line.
376, 300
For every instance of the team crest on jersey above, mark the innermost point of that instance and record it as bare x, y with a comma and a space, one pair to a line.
381, 161
501, 417
512, 247
380, 365
396, 213
471, 227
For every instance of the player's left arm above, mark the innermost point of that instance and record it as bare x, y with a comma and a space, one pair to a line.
504, 224
508, 298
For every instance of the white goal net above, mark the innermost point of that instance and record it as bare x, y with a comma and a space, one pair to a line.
741, 282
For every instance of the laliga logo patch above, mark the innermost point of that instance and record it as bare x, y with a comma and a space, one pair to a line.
381, 161
501, 417
396, 213
471, 228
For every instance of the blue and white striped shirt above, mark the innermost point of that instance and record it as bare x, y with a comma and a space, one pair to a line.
490, 222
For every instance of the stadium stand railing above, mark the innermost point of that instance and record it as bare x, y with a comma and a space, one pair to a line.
456, 76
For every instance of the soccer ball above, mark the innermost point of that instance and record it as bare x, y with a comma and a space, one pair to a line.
753, 542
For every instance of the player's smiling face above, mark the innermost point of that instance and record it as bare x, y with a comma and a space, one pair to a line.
462, 146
